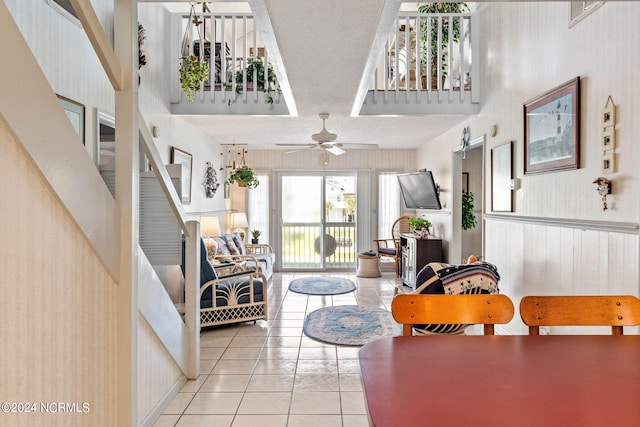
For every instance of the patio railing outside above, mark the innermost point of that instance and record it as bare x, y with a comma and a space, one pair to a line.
303, 245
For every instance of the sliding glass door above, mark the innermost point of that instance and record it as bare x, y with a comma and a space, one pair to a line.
318, 221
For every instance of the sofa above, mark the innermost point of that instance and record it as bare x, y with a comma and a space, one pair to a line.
254, 256
229, 296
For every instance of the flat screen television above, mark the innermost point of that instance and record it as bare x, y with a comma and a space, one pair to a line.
419, 191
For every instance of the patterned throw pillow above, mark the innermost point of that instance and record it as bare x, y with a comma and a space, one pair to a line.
222, 246
231, 246
438, 278
239, 243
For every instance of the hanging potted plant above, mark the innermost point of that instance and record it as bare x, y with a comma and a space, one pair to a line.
194, 70
429, 38
468, 217
245, 177
255, 65
193, 73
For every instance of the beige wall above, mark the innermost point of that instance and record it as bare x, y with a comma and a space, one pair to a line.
57, 334
527, 49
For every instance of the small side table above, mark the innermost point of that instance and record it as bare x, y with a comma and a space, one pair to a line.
368, 266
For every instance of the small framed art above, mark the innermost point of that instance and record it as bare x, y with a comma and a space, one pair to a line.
608, 163
608, 115
608, 139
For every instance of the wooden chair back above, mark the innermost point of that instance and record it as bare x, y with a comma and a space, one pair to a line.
584, 310
487, 309
400, 225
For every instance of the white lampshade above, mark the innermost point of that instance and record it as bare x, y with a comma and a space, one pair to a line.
209, 226
239, 220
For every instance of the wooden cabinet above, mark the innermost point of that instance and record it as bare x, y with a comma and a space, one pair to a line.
417, 252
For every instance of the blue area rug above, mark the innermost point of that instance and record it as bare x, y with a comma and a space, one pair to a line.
352, 325
322, 285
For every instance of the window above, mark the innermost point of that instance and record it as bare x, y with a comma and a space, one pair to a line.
258, 207
388, 202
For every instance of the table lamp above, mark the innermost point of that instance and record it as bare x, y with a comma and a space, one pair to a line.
209, 228
239, 223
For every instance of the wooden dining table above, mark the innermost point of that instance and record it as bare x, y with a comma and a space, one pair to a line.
514, 381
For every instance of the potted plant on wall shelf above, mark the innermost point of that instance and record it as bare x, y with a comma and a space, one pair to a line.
245, 177
419, 226
429, 37
255, 235
256, 65
193, 73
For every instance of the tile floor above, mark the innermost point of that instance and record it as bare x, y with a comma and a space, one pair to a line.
271, 375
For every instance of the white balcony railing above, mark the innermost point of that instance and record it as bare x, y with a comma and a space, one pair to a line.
236, 56
427, 58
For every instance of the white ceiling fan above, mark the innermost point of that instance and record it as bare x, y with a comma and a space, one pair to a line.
327, 141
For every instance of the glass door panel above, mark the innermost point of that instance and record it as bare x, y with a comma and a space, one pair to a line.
301, 221
340, 224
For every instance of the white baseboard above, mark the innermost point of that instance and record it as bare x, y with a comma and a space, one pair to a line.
153, 416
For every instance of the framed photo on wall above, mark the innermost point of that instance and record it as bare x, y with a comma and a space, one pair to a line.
75, 112
179, 157
552, 129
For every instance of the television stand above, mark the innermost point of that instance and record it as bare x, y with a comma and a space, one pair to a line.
416, 252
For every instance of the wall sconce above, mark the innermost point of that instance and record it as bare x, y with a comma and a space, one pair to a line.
604, 188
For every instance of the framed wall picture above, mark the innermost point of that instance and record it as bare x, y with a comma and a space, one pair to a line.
501, 176
179, 157
465, 182
552, 129
75, 113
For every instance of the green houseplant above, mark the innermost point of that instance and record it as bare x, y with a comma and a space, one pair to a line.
468, 217
417, 223
256, 65
255, 235
429, 35
245, 177
193, 73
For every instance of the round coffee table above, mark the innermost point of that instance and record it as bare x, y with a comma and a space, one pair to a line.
368, 266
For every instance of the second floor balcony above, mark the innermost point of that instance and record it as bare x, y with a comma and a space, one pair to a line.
422, 66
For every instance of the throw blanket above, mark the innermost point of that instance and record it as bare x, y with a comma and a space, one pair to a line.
439, 278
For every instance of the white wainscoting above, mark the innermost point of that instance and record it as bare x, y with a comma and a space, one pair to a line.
538, 257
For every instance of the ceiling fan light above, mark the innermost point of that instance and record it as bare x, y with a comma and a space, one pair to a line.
337, 151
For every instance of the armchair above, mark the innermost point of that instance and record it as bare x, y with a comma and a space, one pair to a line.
236, 297
391, 247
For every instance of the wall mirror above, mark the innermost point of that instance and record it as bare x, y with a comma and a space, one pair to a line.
501, 176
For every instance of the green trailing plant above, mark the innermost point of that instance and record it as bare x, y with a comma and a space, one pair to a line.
468, 217
245, 177
256, 65
417, 223
192, 74
429, 35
